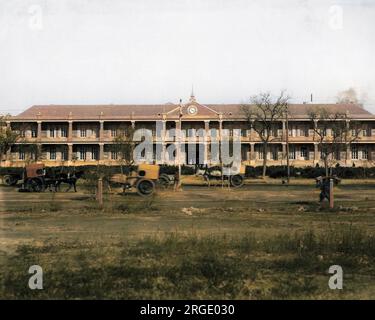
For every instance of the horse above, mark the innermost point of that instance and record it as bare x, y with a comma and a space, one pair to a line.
70, 179
207, 175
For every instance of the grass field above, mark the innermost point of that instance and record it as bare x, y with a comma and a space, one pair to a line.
263, 241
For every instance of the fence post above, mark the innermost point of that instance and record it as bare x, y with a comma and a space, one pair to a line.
331, 200
99, 196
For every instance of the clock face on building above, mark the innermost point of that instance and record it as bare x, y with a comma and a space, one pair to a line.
192, 110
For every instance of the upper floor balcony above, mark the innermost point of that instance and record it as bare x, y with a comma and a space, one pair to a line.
55, 132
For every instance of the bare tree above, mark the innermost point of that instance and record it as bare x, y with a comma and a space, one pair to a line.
264, 114
124, 146
33, 150
7, 137
348, 96
333, 135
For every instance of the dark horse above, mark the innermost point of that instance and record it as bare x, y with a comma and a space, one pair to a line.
68, 178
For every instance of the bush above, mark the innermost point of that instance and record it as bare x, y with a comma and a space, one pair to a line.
185, 170
276, 172
279, 172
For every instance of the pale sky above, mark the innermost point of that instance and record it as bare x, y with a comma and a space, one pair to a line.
153, 51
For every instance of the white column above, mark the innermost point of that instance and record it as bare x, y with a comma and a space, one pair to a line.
284, 133
206, 141
101, 151
39, 130
101, 130
283, 144
316, 152
70, 151
348, 152
70, 130
164, 130
252, 151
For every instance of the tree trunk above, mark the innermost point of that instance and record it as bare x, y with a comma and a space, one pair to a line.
326, 165
264, 159
122, 167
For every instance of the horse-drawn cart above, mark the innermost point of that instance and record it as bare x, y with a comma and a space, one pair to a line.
36, 178
233, 175
144, 179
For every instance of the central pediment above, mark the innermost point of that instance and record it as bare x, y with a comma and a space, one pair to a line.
193, 110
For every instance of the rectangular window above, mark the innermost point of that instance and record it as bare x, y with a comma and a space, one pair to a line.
354, 153
322, 154
83, 133
259, 151
114, 132
64, 154
82, 153
52, 153
274, 153
21, 155
52, 132
64, 132
94, 153
364, 154
22, 133
366, 132
292, 152
33, 133
304, 152
114, 155
337, 155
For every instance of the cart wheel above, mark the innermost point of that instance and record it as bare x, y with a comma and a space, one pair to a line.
145, 187
164, 181
34, 185
236, 181
9, 180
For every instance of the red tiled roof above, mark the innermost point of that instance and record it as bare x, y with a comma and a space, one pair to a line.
153, 112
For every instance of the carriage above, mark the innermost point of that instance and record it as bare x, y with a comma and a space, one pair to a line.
36, 178
144, 179
233, 175
11, 178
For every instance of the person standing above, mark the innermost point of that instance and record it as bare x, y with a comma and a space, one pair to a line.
177, 180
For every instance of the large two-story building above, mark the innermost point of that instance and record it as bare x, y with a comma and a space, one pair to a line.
77, 135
